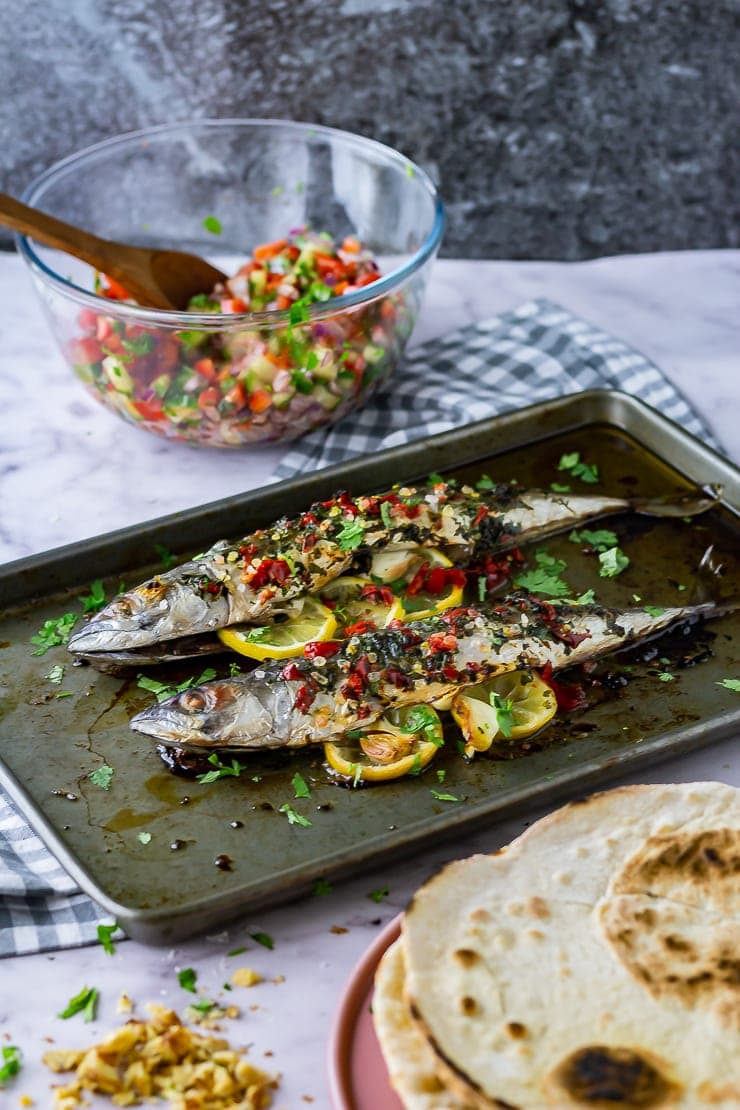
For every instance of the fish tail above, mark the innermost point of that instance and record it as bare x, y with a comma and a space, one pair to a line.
707, 588
678, 505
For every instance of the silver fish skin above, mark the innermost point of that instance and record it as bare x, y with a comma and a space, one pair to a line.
253, 579
309, 700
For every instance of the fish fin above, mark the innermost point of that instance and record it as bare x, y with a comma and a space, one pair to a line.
678, 505
707, 584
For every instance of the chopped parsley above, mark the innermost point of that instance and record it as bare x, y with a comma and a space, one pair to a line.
435, 479
84, 1003
144, 837
293, 817
212, 224
545, 577
613, 562
730, 684
587, 472
444, 797
558, 487
654, 610
237, 951
221, 770
168, 559
187, 977
586, 599
484, 483
300, 786
264, 939
54, 632
482, 587
351, 535
322, 887
379, 894
102, 776
504, 709
600, 540
666, 676
423, 719
234, 670
56, 674
441, 774
95, 599
105, 936
161, 691
203, 1006
416, 767
11, 1062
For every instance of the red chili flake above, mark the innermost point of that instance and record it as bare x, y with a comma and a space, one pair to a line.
321, 649
360, 627
379, 595
440, 579
412, 511
346, 503
416, 585
247, 550
291, 672
305, 698
480, 515
214, 587
362, 711
308, 518
442, 641
309, 541
357, 679
275, 571
567, 695
450, 673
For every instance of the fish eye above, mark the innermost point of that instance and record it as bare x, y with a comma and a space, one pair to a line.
122, 606
193, 701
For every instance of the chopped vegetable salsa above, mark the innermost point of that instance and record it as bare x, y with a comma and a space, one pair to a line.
242, 382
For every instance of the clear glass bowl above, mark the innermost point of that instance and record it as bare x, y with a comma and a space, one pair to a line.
230, 379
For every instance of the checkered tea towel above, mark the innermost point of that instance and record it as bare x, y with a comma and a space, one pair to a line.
537, 352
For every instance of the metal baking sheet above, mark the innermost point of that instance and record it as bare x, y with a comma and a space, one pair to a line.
165, 885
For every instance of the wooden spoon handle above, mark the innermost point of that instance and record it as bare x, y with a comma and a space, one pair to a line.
55, 233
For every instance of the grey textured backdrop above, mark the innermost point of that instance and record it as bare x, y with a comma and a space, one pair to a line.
555, 128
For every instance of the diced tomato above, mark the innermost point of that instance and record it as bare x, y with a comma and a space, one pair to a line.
209, 398
115, 291
87, 319
234, 304
359, 628
351, 245
236, 396
87, 350
259, 400
268, 250
150, 410
206, 368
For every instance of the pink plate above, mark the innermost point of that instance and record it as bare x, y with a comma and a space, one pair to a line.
358, 1078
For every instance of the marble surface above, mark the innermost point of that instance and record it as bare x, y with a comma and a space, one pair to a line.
69, 470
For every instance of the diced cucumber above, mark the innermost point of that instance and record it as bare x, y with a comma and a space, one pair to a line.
117, 374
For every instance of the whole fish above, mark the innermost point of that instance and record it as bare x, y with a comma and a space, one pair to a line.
337, 686
255, 578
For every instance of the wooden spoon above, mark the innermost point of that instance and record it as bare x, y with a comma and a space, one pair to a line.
154, 278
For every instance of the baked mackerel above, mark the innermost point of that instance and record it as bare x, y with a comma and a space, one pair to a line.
254, 579
336, 686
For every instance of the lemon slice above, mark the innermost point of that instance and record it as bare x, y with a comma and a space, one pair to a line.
280, 640
408, 566
402, 742
350, 607
509, 706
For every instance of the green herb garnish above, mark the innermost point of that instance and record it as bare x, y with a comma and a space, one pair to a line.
264, 939
385, 513
322, 887
85, 1003
444, 797
212, 224
144, 837
237, 951
441, 774
105, 936
56, 674
730, 684
379, 894
187, 977
293, 817
586, 599
203, 1006
54, 632
95, 599
545, 577
423, 719
666, 676
557, 487
102, 776
221, 770
162, 691
168, 559
482, 587
300, 786
600, 540
654, 610
504, 709
351, 535
484, 483
11, 1062
613, 562
573, 463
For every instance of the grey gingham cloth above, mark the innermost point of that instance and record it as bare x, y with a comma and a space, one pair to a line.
537, 352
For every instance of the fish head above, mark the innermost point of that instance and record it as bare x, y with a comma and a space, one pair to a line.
216, 715
161, 609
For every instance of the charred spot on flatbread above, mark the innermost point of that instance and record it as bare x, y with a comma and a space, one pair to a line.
671, 917
607, 1076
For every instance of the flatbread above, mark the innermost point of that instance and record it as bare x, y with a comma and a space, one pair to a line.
411, 1062
595, 962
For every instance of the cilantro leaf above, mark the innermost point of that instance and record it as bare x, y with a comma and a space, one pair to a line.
293, 817
351, 535
441, 774
85, 1003
144, 837
666, 676
187, 977
730, 684
423, 719
168, 559
379, 894
545, 577
300, 786
222, 770
558, 487
236, 951
504, 709
654, 610
54, 632
162, 691
613, 562
56, 674
443, 797
264, 939
95, 599
586, 599
587, 472
102, 776
11, 1065
322, 887
105, 936
435, 479
212, 224
599, 540
484, 483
